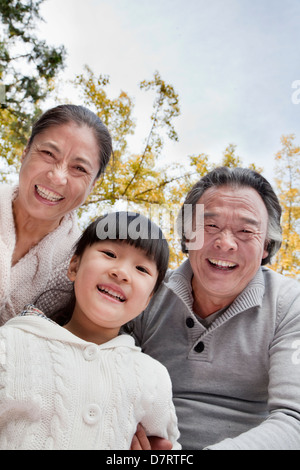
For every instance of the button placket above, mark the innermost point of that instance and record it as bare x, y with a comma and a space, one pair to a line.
90, 352
199, 348
91, 414
190, 323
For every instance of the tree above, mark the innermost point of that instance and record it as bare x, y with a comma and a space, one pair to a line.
139, 180
28, 67
287, 261
135, 178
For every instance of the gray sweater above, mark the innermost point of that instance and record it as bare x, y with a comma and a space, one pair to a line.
236, 383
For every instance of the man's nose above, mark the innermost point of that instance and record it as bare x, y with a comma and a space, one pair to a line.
226, 241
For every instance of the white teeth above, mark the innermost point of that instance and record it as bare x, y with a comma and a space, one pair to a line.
222, 264
46, 194
112, 293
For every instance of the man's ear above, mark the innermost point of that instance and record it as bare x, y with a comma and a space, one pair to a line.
73, 268
266, 250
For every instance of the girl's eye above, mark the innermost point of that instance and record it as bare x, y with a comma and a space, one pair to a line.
143, 270
110, 254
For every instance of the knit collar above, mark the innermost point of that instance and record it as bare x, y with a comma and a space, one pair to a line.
180, 282
35, 322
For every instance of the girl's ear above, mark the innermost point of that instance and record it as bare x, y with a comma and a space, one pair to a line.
73, 267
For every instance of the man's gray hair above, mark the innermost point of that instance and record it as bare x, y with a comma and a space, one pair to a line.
240, 177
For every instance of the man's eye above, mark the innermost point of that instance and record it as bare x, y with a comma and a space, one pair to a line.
244, 234
211, 228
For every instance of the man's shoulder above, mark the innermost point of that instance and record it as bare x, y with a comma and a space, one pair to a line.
283, 283
283, 293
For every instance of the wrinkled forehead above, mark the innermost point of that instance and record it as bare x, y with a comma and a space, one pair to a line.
237, 202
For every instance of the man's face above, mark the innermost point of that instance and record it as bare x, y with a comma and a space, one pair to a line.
235, 230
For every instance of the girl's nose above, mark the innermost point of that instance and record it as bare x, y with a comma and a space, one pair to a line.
120, 273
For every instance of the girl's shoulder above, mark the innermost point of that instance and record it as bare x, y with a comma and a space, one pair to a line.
152, 370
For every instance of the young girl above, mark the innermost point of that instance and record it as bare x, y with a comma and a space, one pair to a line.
84, 385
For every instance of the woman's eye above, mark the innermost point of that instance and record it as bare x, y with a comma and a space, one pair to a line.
48, 153
81, 169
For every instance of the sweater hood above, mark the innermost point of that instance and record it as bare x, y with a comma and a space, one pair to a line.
49, 330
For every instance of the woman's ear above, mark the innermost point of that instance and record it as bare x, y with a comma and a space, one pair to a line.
73, 268
25, 151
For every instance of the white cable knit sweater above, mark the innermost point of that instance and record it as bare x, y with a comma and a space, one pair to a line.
22, 283
58, 391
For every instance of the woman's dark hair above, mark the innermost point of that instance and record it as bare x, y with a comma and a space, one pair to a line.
127, 227
239, 177
64, 114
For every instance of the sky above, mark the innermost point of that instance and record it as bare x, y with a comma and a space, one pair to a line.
233, 64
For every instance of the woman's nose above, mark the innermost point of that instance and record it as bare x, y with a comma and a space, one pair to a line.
58, 175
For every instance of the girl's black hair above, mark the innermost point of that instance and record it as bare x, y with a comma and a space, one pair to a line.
127, 227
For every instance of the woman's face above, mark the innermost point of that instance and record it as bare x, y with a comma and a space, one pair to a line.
58, 171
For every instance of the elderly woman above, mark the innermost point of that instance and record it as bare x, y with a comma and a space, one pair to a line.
68, 150
226, 326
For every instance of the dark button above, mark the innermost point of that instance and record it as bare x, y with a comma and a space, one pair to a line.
190, 322
199, 348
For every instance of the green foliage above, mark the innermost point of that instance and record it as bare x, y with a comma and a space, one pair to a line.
27, 68
288, 187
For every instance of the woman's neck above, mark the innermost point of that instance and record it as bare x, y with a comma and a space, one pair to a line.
29, 231
25, 223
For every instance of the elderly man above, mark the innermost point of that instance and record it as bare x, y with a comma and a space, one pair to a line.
226, 327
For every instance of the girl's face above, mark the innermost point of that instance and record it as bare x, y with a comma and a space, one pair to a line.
113, 284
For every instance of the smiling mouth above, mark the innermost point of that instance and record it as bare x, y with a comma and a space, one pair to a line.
222, 265
47, 194
111, 293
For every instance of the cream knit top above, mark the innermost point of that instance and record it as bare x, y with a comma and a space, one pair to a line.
58, 391
27, 279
